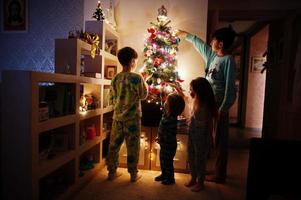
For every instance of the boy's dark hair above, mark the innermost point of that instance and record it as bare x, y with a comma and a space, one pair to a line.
176, 104
125, 55
225, 35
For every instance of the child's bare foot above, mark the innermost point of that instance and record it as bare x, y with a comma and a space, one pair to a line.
198, 187
191, 183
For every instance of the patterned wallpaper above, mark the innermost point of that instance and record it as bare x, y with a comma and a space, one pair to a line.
34, 50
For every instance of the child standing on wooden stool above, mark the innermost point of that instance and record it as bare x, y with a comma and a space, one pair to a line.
173, 106
127, 91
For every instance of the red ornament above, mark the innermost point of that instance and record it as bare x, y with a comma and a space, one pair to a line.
153, 90
158, 61
180, 80
152, 36
151, 30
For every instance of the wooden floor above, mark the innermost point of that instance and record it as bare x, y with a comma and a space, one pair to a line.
147, 189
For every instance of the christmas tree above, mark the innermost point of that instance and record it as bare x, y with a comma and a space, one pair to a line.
98, 14
160, 63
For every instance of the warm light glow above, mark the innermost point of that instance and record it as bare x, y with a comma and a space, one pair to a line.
168, 89
159, 87
164, 65
83, 112
141, 69
182, 74
162, 18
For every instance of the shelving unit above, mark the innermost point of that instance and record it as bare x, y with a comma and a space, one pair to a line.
49, 146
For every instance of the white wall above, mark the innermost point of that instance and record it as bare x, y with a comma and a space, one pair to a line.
134, 16
256, 81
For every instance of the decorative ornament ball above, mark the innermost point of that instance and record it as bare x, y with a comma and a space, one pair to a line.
151, 30
180, 80
149, 81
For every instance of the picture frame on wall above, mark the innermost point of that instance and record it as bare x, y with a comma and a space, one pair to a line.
15, 16
110, 71
257, 63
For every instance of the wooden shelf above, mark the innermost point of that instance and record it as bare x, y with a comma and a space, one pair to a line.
106, 82
54, 123
104, 134
47, 166
109, 56
110, 32
90, 113
89, 144
84, 46
83, 79
33, 134
108, 109
92, 171
51, 77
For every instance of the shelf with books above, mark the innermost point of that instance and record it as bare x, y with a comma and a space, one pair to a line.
55, 99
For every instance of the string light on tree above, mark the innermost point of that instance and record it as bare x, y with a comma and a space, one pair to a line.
160, 63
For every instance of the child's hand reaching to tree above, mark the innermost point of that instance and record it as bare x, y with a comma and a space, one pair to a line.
177, 87
181, 33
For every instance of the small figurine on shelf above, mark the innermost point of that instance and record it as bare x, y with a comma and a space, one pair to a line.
71, 35
83, 104
98, 14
